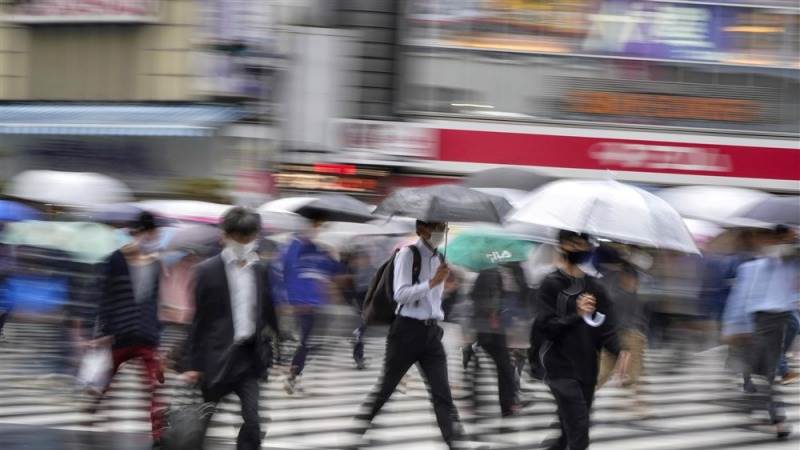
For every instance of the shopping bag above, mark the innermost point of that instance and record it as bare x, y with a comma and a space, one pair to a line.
95, 368
185, 421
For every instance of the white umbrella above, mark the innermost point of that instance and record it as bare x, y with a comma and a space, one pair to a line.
280, 214
711, 203
606, 209
186, 210
74, 189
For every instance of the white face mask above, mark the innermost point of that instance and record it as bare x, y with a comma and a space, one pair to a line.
436, 239
148, 246
241, 251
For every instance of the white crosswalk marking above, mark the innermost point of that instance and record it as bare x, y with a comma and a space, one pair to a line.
692, 407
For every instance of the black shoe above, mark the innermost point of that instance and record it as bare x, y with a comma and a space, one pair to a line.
467, 353
783, 431
361, 364
749, 388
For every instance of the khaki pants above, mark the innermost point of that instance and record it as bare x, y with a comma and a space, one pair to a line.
633, 341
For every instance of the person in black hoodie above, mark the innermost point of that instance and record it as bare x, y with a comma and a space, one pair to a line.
575, 320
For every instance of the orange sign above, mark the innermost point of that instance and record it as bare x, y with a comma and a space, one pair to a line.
664, 106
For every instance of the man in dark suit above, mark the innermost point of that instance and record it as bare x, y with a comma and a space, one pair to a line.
229, 351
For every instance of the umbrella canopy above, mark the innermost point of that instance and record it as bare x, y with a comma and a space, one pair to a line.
776, 210
329, 207
514, 196
72, 189
186, 210
190, 237
607, 209
481, 249
15, 211
278, 215
506, 178
445, 203
85, 241
114, 213
396, 225
711, 203
339, 235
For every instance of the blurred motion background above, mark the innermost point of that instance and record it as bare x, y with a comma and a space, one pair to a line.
185, 107
241, 100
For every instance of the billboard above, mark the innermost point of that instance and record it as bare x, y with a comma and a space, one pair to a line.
87, 11
719, 32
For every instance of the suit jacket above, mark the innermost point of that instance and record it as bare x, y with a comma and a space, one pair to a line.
211, 340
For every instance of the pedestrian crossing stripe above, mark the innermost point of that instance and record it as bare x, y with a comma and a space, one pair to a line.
693, 406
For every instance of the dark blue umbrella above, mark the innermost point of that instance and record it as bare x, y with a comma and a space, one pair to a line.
11, 211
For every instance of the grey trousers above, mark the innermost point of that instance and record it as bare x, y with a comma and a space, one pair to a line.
768, 338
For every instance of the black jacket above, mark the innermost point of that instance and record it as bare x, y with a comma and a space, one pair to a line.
573, 347
211, 348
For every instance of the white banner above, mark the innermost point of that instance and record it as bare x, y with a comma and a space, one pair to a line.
383, 140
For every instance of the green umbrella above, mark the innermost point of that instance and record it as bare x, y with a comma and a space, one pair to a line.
87, 242
478, 249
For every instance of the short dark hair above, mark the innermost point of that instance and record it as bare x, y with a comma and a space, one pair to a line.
781, 230
567, 235
242, 221
146, 221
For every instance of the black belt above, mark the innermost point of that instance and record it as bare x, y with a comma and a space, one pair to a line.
423, 322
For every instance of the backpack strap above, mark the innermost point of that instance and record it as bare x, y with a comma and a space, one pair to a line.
416, 265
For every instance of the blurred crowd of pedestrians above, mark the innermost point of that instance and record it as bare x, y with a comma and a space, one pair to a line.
576, 313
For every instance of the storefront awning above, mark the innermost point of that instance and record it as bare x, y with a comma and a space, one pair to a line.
115, 120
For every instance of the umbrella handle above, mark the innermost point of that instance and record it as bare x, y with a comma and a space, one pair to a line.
446, 233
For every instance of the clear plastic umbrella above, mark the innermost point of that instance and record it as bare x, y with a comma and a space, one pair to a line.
607, 209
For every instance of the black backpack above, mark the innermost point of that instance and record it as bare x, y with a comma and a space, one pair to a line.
379, 306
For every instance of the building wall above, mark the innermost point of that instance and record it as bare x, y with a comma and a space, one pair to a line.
14, 42
100, 62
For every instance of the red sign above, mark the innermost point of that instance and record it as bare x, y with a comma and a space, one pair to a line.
741, 161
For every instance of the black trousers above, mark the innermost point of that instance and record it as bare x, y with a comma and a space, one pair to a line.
243, 380
412, 341
769, 334
574, 401
248, 392
495, 345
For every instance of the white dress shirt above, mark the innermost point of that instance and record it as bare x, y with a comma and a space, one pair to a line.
417, 301
242, 288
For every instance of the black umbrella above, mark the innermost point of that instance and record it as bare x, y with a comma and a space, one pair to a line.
336, 208
776, 210
506, 178
445, 203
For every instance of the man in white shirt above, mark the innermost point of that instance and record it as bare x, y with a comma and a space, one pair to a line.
228, 351
415, 336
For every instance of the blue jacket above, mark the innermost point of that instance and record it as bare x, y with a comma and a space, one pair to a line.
306, 271
761, 285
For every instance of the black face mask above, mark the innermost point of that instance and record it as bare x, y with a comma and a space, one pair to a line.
579, 257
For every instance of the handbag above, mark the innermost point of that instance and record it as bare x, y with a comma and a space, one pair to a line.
186, 420
95, 369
